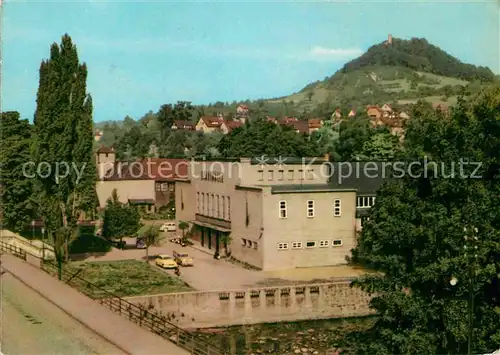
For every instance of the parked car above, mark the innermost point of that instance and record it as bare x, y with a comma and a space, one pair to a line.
168, 227
166, 261
183, 259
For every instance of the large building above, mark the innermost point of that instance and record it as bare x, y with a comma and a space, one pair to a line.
148, 183
273, 214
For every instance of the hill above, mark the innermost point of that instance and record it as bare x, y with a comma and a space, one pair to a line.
395, 71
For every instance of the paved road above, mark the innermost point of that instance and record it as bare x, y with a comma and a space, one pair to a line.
32, 325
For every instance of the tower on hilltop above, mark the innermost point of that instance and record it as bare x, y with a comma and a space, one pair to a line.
389, 39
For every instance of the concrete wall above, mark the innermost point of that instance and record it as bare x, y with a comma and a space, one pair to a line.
126, 189
241, 233
303, 302
298, 227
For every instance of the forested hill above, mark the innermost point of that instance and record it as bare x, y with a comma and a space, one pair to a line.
419, 55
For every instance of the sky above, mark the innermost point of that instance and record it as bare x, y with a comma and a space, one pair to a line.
141, 55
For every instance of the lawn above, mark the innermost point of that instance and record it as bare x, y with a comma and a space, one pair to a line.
122, 278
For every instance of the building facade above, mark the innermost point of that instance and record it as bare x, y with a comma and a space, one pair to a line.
148, 183
278, 215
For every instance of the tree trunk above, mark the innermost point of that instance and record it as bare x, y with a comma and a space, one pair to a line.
59, 267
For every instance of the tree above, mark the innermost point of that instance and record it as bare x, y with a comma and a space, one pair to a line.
151, 235
415, 238
310, 94
63, 139
382, 146
120, 220
17, 189
182, 110
183, 226
353, 134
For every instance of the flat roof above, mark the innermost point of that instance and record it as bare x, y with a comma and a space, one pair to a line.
280, 189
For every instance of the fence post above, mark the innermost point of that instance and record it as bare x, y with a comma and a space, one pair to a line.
178, 335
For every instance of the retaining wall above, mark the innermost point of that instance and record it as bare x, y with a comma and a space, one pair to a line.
260, 305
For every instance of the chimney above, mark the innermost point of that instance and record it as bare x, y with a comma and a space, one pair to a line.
389, 39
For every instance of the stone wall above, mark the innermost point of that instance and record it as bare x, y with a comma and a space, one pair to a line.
260, 305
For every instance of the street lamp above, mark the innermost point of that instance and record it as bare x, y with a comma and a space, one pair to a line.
471, 259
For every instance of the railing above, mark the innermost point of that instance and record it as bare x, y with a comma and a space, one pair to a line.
139, 314
11, 249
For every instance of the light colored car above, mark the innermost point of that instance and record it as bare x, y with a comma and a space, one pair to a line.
168, 227
183, 259
166, 261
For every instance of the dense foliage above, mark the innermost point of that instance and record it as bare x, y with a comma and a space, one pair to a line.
120, 220
420, 55
266, 138
62, 144
415, 237
17, 187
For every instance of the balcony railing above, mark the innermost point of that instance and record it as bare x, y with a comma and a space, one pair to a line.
214, 221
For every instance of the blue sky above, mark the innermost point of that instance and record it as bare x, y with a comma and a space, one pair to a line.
141, 55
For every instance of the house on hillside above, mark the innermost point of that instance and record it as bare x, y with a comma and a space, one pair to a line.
98, 135
293, 122
386, 108
228, 125
147, 183
314, 124
403, 115
271, 119
183, 125
373, 112
337, 114
242, 110
352, 113
209, 124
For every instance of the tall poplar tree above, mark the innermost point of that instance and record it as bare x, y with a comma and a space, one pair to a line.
63, 137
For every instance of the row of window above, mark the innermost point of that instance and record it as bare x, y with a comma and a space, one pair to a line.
212, 176
165, 186
213, 205
309, 175
250, 244
365, 201
337, 208
310, 244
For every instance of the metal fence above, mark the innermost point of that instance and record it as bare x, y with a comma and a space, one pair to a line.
139, 314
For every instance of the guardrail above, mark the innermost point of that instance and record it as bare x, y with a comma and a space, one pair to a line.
139, 314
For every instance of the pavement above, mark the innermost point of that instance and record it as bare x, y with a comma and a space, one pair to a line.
209, 274
123, 334
32, 325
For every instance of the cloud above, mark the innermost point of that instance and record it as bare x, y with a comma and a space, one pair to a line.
322, 53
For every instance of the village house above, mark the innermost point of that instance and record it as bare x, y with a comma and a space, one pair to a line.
183, 125
209, 124
98, 135
242, 110
314, 124
337, 115
148, 183
373, 111
352, 113
278, 215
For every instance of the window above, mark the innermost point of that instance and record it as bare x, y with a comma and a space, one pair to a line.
290, 174
297, 245
197, 202
249, 243
171, 187
337, 211
310, 174
310, 208
223, 208
212, 205
281, 174
365, 201
261, 175
244, 242
337, 243
311, 245
217, 211
203, 211
324, 243
282, 246
158, 187
270, 175
301, 174
228, 208
283, 211
164, 186
255, 245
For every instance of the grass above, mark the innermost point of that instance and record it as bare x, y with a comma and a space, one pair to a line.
123, 278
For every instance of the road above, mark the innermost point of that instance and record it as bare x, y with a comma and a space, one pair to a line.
32, 325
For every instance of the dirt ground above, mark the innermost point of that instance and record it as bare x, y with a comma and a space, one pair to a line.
32, 325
